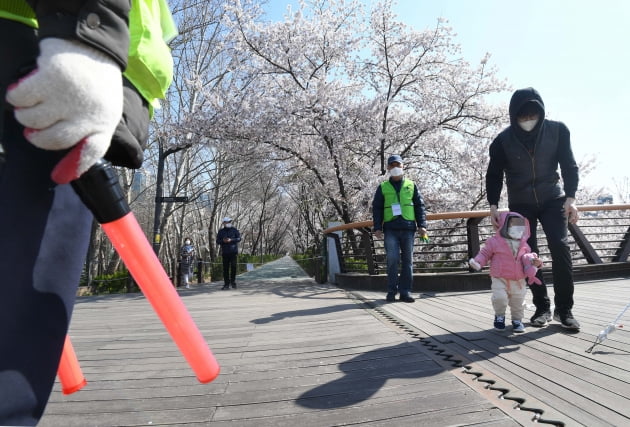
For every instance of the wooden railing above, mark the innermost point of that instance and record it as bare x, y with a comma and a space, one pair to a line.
602, 235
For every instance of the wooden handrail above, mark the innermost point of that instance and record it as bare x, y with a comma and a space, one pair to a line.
470, 214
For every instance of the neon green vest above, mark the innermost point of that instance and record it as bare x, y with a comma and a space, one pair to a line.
151, 27
405, 198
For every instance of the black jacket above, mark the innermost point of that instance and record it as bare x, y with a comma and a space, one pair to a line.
231, 247
529, 160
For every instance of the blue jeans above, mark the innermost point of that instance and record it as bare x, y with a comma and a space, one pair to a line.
399, 249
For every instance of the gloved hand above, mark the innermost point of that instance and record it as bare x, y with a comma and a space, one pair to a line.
474, 264
570, 210
73, 98
424, 236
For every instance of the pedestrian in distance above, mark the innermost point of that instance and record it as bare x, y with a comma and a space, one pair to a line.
186, 262
528, 154
228, 238
397, 212
512, 265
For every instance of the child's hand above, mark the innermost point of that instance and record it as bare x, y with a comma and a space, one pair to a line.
474, 264
536, 262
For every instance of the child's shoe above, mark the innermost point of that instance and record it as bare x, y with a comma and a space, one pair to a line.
517, 326
499, 322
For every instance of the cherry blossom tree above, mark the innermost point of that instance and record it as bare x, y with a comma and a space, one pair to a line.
333, 89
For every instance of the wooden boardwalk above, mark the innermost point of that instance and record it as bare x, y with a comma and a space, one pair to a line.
295, 353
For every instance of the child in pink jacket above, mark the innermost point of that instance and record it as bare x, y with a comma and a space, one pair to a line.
511, 263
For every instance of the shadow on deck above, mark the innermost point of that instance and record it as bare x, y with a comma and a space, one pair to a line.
294, 352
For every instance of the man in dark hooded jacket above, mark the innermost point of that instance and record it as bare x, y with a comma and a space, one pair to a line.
528, 154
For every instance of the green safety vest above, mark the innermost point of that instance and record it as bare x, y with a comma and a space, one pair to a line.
151, 27
404, 198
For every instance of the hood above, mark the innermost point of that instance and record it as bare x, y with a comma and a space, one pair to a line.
503, 220
520, 99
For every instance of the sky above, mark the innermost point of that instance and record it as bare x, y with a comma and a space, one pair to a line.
575, 53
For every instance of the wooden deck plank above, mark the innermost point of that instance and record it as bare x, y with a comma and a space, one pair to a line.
291, 351
294, 352
550, 363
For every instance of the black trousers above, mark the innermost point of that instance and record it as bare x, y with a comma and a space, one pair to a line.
554, 224
44, 235
229, 268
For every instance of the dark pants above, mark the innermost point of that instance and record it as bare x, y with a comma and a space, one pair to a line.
229, 268
554, 224
44, 234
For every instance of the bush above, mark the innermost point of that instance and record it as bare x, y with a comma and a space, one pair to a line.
117, 283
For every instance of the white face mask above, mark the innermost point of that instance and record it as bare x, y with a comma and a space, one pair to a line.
528, 125
516, 231
396, 171
228, 225
187, 242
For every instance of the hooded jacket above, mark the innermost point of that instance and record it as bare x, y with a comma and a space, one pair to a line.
529, 160
498, 252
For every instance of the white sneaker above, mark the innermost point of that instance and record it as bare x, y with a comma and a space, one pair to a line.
187, 286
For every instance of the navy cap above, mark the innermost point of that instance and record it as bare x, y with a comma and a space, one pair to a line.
394, 158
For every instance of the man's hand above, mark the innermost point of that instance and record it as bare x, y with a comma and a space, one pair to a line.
424, 236
570, 210
378, 234
494, 216
73, 98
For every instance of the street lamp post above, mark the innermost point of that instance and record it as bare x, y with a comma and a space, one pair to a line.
159, 196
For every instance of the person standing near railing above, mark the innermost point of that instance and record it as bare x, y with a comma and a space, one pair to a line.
186, 261
398, 210
528, 154
228, 238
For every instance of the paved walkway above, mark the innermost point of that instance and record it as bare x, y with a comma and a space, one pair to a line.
294, 352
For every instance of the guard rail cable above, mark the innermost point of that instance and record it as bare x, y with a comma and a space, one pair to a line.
465, 370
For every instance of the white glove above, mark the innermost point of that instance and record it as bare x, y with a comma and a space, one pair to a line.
74, 97
474, 264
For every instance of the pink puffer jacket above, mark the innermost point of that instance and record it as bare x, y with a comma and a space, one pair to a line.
498, 253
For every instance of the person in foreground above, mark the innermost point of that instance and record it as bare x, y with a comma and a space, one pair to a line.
65, 105
527, 153
228, 238
397, 211
511, 263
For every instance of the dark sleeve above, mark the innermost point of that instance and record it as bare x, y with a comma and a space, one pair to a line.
568, 166
219, 238
494, 174
102, 24
237, 235
419, 209
378, 206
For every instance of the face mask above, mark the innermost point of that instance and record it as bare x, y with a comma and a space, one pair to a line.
187, 242
516, 231
396, 171
528, 125
228, 225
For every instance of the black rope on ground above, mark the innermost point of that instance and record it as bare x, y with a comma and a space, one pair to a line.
504, 393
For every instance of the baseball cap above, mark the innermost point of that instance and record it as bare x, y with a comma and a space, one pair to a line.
394, 158
227, 219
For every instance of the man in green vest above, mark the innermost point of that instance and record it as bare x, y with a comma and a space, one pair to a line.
398, 210
65, 104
